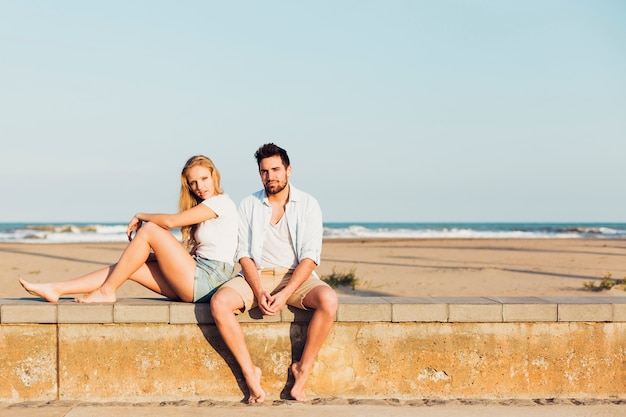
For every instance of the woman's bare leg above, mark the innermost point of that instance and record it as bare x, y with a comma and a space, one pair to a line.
148, 275
172, 276
52, 291
174, 272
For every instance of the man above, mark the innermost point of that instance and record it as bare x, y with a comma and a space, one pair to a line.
280, 242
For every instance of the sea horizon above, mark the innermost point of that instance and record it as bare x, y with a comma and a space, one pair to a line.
101, 232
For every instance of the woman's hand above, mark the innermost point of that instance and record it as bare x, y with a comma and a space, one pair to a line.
133, 226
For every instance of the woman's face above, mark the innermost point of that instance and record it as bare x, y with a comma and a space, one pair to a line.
200, 181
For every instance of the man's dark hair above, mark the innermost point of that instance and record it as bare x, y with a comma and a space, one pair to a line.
268, 150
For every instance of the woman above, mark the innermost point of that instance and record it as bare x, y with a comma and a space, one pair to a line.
155, 259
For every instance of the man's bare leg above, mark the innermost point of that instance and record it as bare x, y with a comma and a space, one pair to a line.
324, 301
223, 303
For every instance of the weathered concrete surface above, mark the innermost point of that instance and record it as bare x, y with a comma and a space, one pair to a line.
28, 362
119, 360
134, 362
484, 360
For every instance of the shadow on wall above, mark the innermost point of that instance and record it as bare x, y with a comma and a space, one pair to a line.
297, 335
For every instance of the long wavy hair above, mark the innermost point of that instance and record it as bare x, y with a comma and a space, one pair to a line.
188, 198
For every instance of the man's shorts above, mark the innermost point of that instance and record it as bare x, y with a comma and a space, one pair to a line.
209, 276
274, 280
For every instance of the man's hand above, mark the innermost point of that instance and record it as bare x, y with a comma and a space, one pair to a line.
270, 305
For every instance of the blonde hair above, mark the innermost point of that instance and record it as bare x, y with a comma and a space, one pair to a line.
189, 199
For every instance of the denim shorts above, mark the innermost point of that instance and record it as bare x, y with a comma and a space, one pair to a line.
210, 275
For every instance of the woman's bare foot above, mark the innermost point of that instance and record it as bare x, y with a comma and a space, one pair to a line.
257, 395
300, 376
43, 290
97, 296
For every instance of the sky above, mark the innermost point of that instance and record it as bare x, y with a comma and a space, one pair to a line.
407, 111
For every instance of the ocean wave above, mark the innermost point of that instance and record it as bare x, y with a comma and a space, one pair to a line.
116, 232
65, 233
67, 228
592, 230
452, 233
472, 231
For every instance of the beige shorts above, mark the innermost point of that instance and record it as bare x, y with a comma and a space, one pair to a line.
274, 280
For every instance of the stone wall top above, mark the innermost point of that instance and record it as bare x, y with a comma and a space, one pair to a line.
351, 309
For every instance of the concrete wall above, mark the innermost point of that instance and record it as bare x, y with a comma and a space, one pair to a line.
392, 347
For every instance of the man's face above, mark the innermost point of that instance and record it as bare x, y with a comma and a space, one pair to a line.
274, 175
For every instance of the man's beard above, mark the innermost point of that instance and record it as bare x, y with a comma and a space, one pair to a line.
275, 187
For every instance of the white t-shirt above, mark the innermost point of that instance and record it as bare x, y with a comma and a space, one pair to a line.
278, 249
216, 238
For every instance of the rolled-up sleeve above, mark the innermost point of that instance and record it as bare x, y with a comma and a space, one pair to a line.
252, 220
304, 216
245, 232
312, 230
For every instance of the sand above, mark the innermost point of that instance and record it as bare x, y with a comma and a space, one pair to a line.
332, 407
410, 267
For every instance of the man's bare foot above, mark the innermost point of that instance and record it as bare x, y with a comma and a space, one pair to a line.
97, 296
257, 395
300, 376
44, 290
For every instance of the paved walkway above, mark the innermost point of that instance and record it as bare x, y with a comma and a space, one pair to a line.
327, 408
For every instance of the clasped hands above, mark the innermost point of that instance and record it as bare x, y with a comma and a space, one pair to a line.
271, 304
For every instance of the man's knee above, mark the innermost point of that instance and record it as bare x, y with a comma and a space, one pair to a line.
329, 300
217, 302
322, 298
225, 301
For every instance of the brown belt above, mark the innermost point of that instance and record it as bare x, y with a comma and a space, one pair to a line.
276, 271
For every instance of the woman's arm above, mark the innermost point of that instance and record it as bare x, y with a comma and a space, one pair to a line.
194, 215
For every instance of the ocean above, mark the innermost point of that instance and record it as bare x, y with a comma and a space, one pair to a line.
116, 232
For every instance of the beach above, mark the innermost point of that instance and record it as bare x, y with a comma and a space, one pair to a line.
382, 267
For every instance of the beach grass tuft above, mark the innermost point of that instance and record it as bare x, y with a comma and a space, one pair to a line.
341, 279
606, 284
